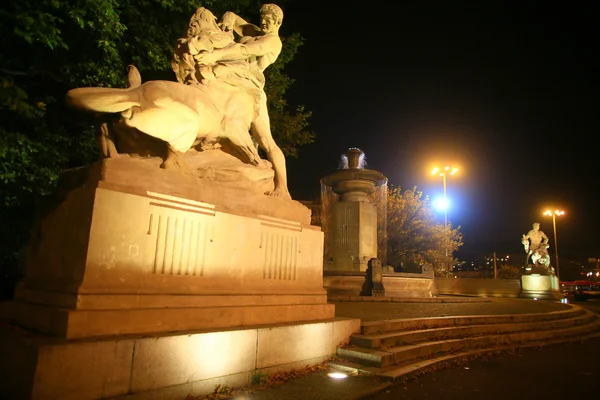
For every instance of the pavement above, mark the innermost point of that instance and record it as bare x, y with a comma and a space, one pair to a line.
317, 385
562, 371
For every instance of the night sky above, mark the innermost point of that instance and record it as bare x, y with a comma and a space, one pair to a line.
504, 90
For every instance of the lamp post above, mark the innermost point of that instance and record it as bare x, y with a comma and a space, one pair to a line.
554, 214
443, 172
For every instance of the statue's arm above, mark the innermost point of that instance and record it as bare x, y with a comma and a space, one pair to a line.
268, 45
232, 21
544, 238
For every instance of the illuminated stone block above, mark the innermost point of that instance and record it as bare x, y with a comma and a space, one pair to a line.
124, 255
165, 366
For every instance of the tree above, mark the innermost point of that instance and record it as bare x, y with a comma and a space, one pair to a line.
414, 236
48, 47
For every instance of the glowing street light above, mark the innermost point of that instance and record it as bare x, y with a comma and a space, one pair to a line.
554, 214
443, 172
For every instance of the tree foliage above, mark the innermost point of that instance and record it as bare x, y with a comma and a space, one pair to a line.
49, 46
414, 236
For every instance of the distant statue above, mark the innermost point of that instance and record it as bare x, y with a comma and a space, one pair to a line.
536, 246
217, 103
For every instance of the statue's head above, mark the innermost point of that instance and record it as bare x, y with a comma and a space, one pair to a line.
202, 20
271, 17
536, 226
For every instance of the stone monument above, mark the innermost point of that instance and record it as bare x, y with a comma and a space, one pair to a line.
354, 218
171, 261
539, 280
352, 240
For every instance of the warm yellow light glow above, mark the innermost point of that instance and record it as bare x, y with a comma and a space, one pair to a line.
337, 375
556, 212
446, 171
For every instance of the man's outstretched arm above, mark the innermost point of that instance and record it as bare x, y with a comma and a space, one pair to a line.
258, 48
231, 21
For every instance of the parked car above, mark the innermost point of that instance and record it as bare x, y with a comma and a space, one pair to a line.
580, 290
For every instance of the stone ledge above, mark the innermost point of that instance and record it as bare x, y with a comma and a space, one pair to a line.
150, 367
138, 176
92, 323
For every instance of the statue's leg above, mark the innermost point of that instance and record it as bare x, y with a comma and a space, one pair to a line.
237, 132
175, 161
261, 131
107, 142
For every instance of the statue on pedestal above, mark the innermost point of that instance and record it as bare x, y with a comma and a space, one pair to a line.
536, 246
215, 111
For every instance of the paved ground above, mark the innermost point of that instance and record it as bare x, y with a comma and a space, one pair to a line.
566, 371
529, 372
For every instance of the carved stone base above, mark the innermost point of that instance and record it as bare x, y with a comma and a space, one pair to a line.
124, 256
540, 287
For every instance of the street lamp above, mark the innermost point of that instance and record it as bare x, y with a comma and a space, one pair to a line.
554, 214
443, 172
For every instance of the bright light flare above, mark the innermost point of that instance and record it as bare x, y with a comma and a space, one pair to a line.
337, 375
555, 212
441, 204
446, 171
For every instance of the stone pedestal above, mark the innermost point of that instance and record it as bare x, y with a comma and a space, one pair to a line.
354, 233
544, 287
149, 283
131, 249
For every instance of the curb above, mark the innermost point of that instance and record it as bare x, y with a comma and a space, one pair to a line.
371, 299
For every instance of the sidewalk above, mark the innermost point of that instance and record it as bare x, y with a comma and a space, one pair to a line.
318, 385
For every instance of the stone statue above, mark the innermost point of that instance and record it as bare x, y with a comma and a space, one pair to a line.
536, 246
259, 47
218, 103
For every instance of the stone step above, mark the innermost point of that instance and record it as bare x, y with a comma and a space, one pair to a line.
406, 324
378, 341
409, 367
385, 357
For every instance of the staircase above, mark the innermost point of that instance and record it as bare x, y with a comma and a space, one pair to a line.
394, 348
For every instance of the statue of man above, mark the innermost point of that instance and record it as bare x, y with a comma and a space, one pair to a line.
535, 241
259, 48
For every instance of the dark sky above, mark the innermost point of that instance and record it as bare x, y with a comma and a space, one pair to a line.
505, 90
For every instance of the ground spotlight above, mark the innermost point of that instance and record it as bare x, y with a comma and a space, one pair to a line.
337, 375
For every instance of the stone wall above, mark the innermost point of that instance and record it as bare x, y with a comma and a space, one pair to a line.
478, 287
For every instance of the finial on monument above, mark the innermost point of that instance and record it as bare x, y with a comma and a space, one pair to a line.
355, 158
